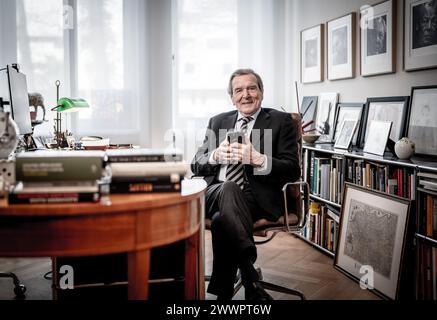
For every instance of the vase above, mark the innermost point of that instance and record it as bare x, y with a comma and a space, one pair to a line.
404, 148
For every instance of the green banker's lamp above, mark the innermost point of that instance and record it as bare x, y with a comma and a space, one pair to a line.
65, 105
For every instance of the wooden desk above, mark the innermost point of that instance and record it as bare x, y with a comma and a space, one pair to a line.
129, 223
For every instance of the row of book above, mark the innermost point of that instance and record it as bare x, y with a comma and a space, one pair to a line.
322, 226
426, 273
84, 176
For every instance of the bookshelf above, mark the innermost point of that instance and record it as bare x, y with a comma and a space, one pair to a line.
327, 169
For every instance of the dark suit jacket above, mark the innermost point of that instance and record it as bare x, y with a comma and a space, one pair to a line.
282, 155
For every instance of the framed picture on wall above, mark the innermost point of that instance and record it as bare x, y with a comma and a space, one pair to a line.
422, 124
348, 111
341, 47
394, 109
312, 54
378, 38
371, 240
420, 34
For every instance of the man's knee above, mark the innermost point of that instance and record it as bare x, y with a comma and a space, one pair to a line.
230, 188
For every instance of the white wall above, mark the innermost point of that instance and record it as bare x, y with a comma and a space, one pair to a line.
308, 13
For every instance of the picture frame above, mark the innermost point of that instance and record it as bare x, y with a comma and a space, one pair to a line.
378, 39
422, 123
341, 42
347, 131
420, 41
372, 237
326, 115
309, 113
349, 111
393, 109
312, 54
379, 132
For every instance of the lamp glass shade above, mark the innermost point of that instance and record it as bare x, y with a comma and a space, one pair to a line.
71, 105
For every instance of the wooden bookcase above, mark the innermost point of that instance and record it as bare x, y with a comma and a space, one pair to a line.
326, 169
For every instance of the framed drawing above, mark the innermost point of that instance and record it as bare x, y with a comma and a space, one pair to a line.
347, 130
311, 48
309, 113
326, 115
377, 137
394, 109
420, 34
422, 124
371, 241
341, 47
348, 111
378, 38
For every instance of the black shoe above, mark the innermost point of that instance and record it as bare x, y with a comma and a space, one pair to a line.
256, 293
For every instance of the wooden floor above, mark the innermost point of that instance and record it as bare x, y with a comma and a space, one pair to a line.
286, 260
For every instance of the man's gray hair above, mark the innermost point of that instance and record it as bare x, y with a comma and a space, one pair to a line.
242, 72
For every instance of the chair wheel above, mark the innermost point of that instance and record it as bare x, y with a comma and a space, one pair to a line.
19, 290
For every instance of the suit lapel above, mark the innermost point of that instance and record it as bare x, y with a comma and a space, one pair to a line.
229, 121
262, 122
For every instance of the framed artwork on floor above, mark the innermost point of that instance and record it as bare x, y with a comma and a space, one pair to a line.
378, 38
420, 34
371, 240
341, 47
312, 54
422, 124
394, 109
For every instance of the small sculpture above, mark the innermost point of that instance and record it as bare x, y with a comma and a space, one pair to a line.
404, 148
36, 101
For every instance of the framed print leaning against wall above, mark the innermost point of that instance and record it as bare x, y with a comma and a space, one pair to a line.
312, 54
378, 38
341, 47
422, 124
371, 240
420, 34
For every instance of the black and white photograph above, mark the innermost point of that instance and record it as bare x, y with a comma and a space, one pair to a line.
346, 133
309, 113
376, 141
372, 237
378, 42
422, 127
326, 115
348, 111
394, 109
420, 37
341, 47
312, 53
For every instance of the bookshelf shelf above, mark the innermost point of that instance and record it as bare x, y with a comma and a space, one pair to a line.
326, 169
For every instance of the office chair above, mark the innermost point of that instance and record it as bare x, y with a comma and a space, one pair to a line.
293, 221
19, 288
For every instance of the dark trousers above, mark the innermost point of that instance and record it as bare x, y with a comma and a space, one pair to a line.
232, 211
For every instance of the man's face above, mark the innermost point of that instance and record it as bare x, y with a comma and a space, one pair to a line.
246, 95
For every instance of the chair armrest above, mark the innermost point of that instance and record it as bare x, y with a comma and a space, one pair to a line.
303, 195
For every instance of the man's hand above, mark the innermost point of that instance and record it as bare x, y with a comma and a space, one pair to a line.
223, 154
246, 154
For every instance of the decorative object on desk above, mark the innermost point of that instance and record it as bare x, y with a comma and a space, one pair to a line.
378, 38
377, 138
347, 131
341, 47
36, 101
9, 133
372, 238
309, 113
348, 111
310, 137
394, 109
326, 115
422, 126
404, 148
94, 143
312, 54
420, 35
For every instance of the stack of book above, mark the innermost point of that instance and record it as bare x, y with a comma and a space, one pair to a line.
49, 176
146, 170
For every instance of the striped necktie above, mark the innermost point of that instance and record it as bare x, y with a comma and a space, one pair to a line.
235, 172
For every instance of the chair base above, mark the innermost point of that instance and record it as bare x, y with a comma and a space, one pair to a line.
19, 288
